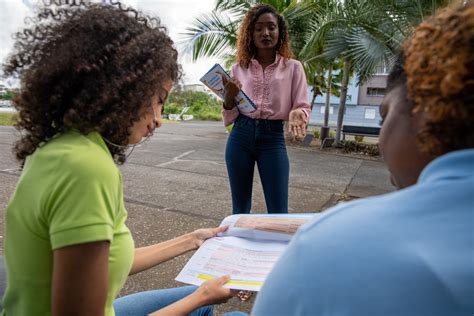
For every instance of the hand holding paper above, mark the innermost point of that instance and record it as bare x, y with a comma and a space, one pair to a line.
213, 79
231, 89
214, 292
200, 235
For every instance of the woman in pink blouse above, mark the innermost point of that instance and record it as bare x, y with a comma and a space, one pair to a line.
276, 83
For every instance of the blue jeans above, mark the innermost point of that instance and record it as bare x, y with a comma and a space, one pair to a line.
262, 142
144, 303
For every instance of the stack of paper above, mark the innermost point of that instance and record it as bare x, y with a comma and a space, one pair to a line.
247, 251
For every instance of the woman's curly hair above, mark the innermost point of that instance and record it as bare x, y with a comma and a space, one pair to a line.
245, 46
439, 65
89, 67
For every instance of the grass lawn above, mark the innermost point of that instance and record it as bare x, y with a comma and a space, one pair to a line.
7, 118
164, 121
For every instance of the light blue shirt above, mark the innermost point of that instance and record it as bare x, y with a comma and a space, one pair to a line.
409, 252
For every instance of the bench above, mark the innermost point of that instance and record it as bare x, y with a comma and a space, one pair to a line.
180, 116
369, 131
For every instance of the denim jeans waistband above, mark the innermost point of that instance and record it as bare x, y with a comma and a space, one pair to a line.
242, 119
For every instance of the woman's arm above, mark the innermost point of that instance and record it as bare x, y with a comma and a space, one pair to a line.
229, 111
300, 107
210, 292
299, 90
150, 256
80, 279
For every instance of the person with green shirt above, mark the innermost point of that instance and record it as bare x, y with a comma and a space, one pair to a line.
94, 79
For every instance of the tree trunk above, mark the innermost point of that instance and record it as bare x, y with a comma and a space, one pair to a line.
328, 97
325, 128
342, 100
316, 90
314, 98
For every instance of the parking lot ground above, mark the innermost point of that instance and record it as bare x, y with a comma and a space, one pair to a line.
177, 182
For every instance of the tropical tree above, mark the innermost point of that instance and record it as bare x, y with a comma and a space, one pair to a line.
365, 34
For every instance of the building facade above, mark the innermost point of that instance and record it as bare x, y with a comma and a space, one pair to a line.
195, 87
362, 104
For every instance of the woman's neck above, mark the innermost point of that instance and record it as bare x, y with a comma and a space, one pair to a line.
266, 57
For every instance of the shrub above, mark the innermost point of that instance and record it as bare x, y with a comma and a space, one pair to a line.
9, 95
365, 149
317, 133
201, 105
359, 138
172, 108
207, 116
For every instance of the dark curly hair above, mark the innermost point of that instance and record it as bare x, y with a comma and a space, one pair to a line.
89, 67
245, 46
439, 65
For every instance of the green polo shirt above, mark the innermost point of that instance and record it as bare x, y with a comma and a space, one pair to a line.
70, 192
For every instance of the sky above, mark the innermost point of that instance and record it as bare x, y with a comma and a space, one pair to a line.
174, 14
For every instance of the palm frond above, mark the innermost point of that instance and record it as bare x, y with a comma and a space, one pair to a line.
366, 52
336, 44
235, 8
210, 35
298, 17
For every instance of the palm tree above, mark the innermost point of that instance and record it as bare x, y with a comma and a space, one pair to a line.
215, 35
365, 34
311, 55
361, 33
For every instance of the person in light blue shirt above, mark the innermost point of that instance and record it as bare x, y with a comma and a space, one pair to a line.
410, 252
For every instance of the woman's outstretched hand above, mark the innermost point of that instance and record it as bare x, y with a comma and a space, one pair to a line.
200, 235
297, 123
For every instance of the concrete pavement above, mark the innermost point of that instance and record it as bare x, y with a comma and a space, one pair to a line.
177, 182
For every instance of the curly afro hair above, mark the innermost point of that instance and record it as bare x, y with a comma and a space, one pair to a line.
89, 67
439, 65
245, 46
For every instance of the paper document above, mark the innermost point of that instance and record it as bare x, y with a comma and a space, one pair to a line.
213, 80
247, 251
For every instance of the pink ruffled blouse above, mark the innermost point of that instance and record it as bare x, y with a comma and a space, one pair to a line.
277, 90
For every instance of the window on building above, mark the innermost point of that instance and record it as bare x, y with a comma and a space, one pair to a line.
370, 114
376, 92
323, 109
382, 69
